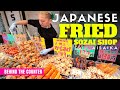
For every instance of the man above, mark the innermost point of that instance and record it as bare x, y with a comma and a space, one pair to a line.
45, 29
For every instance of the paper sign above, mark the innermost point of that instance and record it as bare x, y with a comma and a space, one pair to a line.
85, 52
108, 53
62, 46
5, 38
86, 49
42, 42
10, 38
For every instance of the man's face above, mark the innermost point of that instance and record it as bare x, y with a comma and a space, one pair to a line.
44, 21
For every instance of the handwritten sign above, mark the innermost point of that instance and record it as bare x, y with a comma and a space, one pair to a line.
62, 46
88, 50
10, 38
20, 37
42, 42
108, 53
5, 38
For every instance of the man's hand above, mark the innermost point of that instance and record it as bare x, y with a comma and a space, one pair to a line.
45, 51
12, 27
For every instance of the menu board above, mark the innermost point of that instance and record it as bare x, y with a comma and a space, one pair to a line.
62, 47
108, 53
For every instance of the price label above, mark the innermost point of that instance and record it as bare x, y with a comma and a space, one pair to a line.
108, 53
